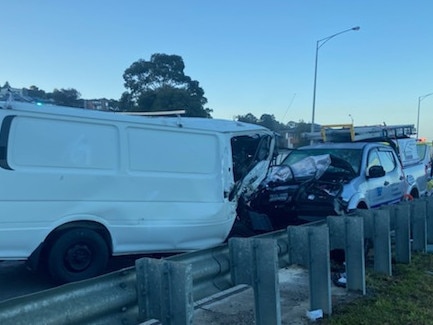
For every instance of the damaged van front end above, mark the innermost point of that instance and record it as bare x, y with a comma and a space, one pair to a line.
252, 155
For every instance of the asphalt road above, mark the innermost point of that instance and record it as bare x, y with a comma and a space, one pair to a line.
16, 280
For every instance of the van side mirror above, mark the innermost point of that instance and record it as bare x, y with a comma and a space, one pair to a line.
375, 172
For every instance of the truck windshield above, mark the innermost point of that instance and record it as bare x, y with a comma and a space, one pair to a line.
352, 156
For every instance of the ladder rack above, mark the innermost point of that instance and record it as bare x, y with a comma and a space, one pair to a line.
349, 132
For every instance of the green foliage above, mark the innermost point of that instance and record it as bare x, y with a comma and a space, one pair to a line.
66, 97
249, 118
269, 121
404, 298
300, 129
266, 120
161, 85
35, 92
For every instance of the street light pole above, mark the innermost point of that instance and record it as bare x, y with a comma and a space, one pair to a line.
319, 44
420, 98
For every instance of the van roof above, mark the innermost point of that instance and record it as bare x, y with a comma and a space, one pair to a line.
206, 124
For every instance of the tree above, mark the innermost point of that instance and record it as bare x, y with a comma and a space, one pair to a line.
266, 120
300, 129
35, 92
248, 118
160, 84
269, 121
66, 97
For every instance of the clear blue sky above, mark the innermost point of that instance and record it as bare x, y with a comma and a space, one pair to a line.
249, 56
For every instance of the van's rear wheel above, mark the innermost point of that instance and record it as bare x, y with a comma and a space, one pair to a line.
77, 254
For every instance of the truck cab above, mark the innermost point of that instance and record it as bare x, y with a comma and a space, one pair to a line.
376, 176
324, 179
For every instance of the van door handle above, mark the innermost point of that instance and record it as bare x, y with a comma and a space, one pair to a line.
386, 183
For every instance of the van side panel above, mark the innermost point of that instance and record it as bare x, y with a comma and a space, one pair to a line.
172, 152
172, 162
45, 143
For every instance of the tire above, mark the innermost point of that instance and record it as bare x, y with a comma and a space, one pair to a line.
77, 254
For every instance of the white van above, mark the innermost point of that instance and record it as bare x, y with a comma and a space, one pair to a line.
78, 186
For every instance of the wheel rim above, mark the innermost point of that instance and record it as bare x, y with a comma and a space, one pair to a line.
78, 257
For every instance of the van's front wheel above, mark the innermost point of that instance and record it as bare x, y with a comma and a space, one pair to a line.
77, 254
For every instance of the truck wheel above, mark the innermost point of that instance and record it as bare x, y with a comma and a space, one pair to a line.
77, 254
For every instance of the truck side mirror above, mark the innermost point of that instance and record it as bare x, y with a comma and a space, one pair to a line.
375, 172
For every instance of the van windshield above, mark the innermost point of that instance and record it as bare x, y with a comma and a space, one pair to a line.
247, 151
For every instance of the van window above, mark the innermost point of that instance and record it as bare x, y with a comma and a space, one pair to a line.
177, 152
45, 143
373, 159
247, 151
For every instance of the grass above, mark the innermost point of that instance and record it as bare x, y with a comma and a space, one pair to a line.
406, 297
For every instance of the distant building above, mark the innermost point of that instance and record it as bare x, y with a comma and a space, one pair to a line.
288, 136
291, 137
97, 104
22, 94
17, 94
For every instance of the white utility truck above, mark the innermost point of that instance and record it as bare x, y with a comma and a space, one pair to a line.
78, 186
400, 137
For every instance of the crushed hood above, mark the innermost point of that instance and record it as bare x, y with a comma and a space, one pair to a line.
307, 168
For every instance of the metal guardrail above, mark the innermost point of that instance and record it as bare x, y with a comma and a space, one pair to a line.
129, 296
110, 297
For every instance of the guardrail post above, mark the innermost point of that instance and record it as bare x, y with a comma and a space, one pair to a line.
392, 215
348, 233
164, 290
402, 233
255, 262
309, 247
377, 226
355, 255
429, 200
418, 214
382, 242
